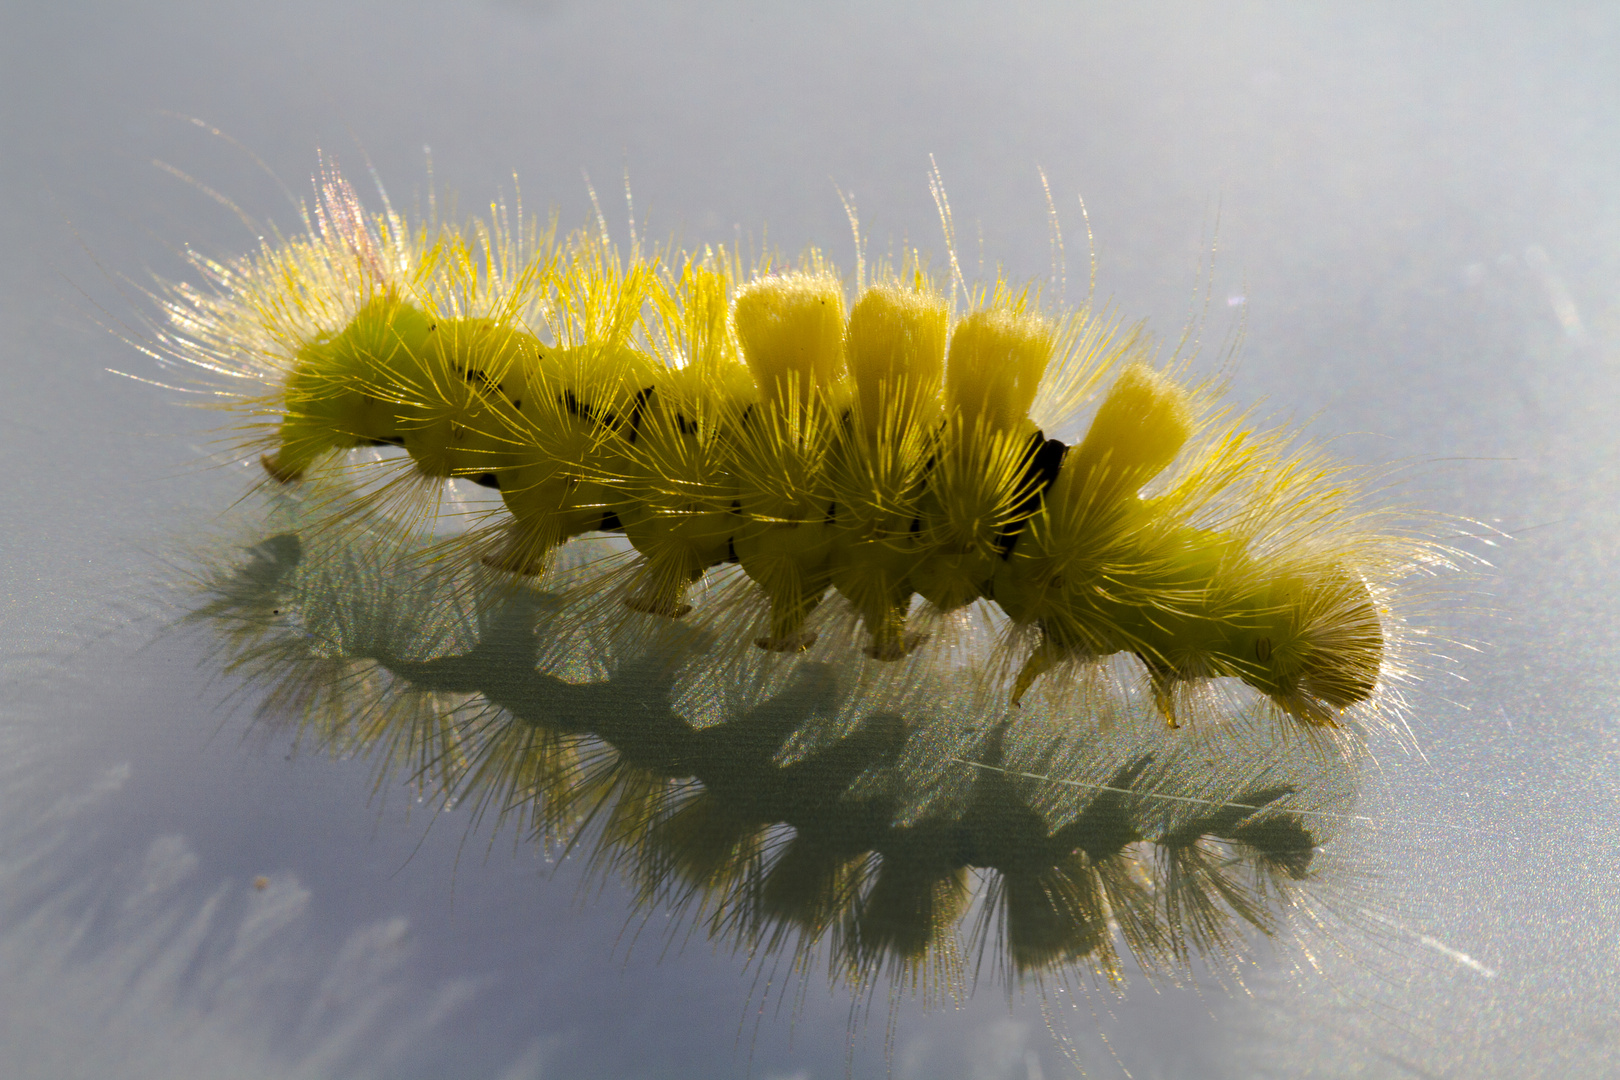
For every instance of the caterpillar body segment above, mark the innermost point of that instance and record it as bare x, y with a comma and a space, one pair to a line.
888, 446
678, 501
678, 495
884, 449
791, 330
328, 382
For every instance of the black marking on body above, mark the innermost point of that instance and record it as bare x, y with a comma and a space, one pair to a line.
642, 397
1043, 458
485, 384
610, 522
482, 380
488, 479
582, 410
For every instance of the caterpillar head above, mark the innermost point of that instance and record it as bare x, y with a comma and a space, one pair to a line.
1317, 647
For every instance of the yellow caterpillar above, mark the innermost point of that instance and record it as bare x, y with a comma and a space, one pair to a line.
884, 450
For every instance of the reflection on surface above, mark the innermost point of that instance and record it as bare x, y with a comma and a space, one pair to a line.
909, 829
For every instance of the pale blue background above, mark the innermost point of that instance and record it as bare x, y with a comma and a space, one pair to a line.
1416, 207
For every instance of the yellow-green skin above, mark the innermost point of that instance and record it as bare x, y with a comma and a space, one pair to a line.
329, 402
853, 454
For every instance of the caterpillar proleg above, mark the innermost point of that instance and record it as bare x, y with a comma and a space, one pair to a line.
883, 448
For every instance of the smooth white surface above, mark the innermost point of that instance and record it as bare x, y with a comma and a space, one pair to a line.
1415, 211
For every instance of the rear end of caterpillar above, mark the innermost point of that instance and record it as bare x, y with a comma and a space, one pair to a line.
883, 450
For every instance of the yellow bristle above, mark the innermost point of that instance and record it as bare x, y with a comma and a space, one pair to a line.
994, 368
896, 348
791, 328
1140, 427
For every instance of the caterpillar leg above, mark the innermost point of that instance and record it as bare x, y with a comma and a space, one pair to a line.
788, 561
788, 634
661, 587
525, 552
531, 536
548, 507
790, 606
910, 905
886, 623
678, 548
788, 643
281, 474
667, 604
1042, 660
1163, 685
896, 648
874, 576
304, 439
1307, 709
